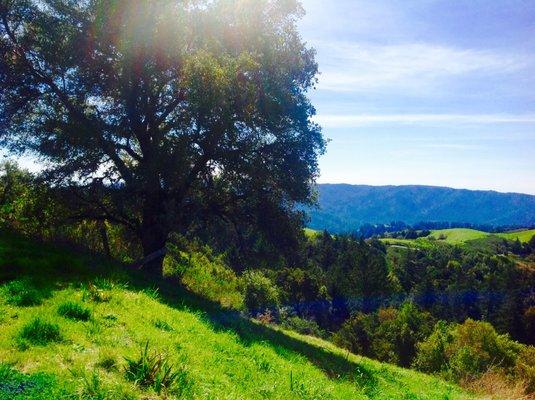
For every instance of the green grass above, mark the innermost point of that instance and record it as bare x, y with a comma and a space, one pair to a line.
458, 235
17, 386
420, 243
461, 235
39, 332
22, 292
523, 236
74, 311
311, 233
212, 352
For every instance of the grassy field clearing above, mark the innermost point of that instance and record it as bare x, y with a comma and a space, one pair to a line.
461, 235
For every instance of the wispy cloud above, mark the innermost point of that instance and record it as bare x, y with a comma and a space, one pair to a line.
348, 121
360, 67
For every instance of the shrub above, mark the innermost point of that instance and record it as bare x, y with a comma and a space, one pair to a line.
525, 367
74, 311
154, 371
355, 334
260, 293
466, 351
39, 332
529, 325
388, 335
431, 353
303, 326
478, 347
22, 293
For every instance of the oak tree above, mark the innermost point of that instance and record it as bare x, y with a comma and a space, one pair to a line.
159, 114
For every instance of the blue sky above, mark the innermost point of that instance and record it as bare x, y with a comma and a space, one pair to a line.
426, 92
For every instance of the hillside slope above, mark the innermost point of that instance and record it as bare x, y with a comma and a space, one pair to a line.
346, 207
461, 235
217, 354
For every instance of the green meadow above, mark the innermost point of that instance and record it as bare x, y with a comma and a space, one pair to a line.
457, 235
462, 235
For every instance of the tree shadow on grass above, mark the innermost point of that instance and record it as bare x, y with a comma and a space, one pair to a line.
334, 366
59, 267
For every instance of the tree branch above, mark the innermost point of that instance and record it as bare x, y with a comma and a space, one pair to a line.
75, 112
170, 108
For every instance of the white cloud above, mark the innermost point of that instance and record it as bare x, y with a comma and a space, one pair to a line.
349, 121
360, 67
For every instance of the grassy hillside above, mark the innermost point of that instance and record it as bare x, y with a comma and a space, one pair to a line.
311, 233
458, 235
523, 236
67, 322
461, 235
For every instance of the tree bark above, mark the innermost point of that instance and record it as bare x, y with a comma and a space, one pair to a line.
153, 241
104, 237
154, 232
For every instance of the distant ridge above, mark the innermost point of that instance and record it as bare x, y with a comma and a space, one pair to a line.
345, 207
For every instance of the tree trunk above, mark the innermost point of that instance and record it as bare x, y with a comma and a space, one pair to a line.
153, 241
104, 237
154, 234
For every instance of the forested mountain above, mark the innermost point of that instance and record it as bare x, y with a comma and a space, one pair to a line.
345, 207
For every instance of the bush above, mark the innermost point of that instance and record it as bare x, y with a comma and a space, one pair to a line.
388, 335
355, 334
39, 332
260, 294
525, 368
303, 326
154, 371
22, 293
431, 353
466, 351
74, 311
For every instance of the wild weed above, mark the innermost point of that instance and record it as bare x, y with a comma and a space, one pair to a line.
154, 371
107, 362
93, 388
74, 311
93, 293
22, 293
39, 332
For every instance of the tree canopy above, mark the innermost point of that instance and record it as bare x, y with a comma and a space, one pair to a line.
160, 114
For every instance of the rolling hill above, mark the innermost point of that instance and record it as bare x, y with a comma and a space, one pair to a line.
345, 207
460, 235
71, 324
